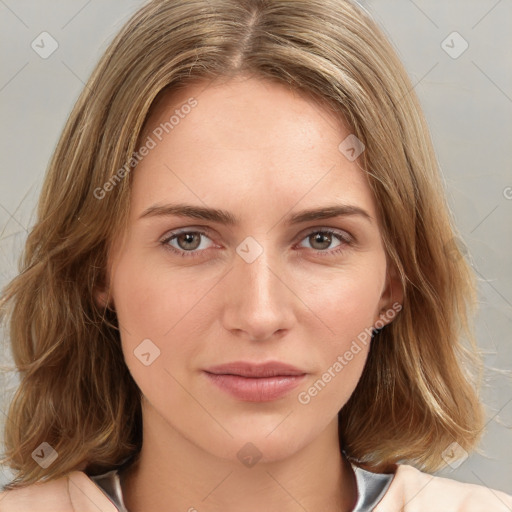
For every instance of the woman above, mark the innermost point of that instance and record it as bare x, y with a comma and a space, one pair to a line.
238, 295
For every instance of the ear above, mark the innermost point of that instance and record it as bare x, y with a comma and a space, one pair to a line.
102, 297
391, 299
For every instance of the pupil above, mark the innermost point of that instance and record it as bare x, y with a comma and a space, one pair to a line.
327, 239
188, 238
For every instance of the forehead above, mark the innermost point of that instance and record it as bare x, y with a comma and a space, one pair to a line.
247, 138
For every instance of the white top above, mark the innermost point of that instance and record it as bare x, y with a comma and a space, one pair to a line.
371, 488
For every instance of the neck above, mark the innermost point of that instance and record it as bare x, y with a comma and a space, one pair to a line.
177, 475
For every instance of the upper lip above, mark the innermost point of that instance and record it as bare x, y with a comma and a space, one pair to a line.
248, 369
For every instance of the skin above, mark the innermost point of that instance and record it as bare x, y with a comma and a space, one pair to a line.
262, 152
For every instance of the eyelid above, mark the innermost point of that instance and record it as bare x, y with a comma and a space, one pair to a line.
342, 233
186, 229
348, 237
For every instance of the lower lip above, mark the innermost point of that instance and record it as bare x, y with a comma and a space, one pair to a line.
256, 389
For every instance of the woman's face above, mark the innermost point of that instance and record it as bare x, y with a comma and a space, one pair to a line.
271, 285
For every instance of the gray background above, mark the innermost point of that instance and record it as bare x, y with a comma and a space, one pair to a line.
467, 101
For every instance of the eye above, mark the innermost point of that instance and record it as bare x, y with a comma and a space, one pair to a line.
322, 239
186, 243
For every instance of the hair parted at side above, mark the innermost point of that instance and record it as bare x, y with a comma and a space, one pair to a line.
417, 392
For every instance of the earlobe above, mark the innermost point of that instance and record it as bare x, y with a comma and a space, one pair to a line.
101, 291
103, 298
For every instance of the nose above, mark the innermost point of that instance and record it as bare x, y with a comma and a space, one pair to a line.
259, 304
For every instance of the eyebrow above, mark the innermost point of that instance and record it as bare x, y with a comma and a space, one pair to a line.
227, 218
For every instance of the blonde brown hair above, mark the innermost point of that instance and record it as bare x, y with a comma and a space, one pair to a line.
415, 396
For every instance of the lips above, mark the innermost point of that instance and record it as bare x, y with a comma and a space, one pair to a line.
255, 370
255, 382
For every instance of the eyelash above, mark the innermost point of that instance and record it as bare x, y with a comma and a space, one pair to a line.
345, 239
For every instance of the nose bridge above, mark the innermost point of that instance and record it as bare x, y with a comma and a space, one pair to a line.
256, 270
260, 304
258, 276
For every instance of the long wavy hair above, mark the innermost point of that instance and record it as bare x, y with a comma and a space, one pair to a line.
418, 390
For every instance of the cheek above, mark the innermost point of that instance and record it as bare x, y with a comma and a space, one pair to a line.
157, 303
151, 309
150, 300
346, 303
346, 300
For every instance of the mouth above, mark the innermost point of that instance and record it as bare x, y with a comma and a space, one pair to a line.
255, 382
256, 370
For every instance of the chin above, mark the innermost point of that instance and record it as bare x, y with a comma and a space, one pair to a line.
254, 447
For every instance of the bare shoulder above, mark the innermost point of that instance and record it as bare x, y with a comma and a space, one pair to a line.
42, 496
75, 491
412, 490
